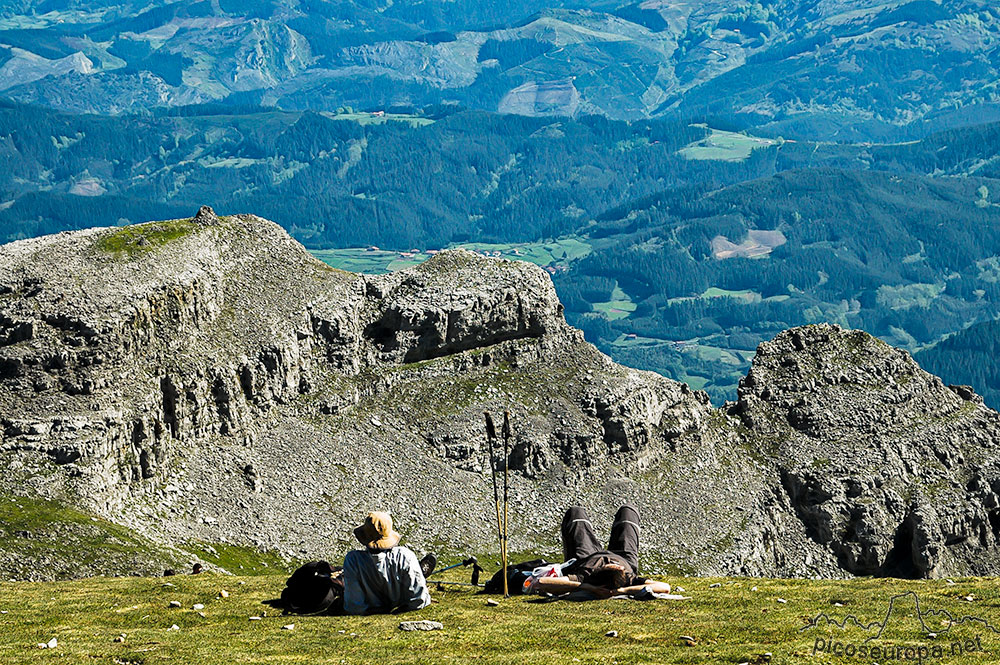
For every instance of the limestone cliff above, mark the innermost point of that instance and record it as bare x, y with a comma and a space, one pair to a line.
890, 471
207, 380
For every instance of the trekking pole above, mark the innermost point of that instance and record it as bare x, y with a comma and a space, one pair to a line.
476, 569
491, 435
471, 561
440, 584
506, 487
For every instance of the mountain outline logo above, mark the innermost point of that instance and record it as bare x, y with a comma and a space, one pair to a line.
824, 619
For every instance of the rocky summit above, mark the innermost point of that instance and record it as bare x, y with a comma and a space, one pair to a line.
174, 388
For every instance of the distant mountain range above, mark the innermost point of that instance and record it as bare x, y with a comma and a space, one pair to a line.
835, 69
695, 175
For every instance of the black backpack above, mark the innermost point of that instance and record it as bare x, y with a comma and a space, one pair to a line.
516, 574
311, 589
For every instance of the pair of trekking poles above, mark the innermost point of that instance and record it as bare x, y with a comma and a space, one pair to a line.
491, 437
502, 513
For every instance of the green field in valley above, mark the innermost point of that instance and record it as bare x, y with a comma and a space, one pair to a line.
619, 307
376, 118
727, 620
556, 253
368, 261
745, 294
724, 146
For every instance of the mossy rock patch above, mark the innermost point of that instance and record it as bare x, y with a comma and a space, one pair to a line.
142, 238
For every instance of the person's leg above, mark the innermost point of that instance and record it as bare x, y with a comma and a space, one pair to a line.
625, 536
579, 539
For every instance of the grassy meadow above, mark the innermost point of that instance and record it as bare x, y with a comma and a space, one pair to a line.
364, 118
724, 146
558, 253
619, 307
729, 620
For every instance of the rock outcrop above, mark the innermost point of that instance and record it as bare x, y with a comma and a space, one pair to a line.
207, 380
211, 381
892, 472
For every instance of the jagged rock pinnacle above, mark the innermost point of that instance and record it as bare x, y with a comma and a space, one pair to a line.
206, 216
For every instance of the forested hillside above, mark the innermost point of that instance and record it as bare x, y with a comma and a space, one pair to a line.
970, 357
675, 246
342, 180
700, 277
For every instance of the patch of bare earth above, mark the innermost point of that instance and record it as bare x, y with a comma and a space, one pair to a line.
757, 244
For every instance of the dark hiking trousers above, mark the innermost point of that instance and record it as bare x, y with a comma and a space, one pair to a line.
580, 540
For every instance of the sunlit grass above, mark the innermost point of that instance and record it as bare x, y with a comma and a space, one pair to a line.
730, 621
724, 146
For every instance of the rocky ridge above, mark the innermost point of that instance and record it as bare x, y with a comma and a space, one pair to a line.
208, 381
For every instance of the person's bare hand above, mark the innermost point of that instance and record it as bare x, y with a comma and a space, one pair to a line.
599, 591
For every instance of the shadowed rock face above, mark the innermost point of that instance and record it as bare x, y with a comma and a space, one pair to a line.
210, 380
885, 466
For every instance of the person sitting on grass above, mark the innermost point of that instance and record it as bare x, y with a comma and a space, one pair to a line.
384, 577
601, 572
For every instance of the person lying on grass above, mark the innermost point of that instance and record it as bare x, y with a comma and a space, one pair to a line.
384, 577
601, 572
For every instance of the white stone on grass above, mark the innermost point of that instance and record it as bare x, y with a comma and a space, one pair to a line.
421, 625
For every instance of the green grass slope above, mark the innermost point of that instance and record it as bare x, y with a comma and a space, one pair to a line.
727, 621
46, 540
42, 539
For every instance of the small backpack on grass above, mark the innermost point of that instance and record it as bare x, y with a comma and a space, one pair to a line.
516, 574
312, 589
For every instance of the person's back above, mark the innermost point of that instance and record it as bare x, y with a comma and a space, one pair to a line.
384, 577
379, 581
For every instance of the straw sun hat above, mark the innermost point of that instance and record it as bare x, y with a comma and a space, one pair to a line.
376, 533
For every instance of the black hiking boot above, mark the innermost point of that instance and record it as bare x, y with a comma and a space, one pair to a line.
428, 564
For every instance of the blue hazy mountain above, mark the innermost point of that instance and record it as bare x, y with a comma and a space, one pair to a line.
842, 70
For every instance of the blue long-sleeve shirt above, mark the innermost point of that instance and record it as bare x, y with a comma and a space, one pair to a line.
383, 581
